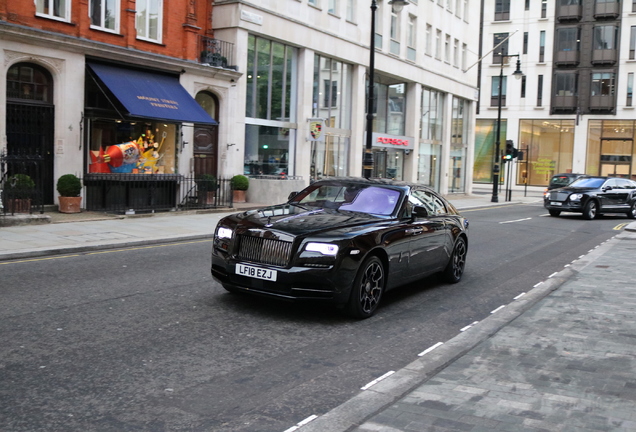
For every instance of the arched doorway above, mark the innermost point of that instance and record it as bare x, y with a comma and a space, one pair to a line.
30, 119
206, 138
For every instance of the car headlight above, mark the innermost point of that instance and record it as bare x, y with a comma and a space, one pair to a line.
576, 197
322, 248
223, 232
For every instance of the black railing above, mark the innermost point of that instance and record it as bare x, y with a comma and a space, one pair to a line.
215, 52
145, 193
21, 182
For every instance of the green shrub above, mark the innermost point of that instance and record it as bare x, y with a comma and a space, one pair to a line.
206, 183
69, 185
20, 186
240, 182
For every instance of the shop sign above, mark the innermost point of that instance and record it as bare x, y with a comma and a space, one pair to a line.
381, 140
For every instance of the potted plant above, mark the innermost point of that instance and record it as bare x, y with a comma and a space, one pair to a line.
18, 193
69, 187
239, 183
206, 187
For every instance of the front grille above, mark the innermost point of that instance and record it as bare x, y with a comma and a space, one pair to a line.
264, 251
559, 196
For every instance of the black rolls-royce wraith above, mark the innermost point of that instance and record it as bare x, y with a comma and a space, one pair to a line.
345, 240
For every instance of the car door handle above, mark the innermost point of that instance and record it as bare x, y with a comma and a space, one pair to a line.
414, 231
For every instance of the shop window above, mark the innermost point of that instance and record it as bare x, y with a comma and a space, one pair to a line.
104, 14
485, 134
432, 115
267, 150
149, 19
117, 147
56, 9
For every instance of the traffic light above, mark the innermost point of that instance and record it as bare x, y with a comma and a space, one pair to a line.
511, 151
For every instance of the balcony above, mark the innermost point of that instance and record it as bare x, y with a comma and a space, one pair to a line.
564, 103
606, 56
566, 58
607, 10
217, 53
570, 13
602, 103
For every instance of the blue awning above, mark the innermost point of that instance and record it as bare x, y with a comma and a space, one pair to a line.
151, 95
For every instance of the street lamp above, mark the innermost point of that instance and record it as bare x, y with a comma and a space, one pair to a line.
495, 172
367, 162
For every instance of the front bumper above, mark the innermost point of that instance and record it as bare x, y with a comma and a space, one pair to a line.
295, 283
566, 206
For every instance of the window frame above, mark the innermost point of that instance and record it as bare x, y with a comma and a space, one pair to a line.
50, 5
102, 17
147, 27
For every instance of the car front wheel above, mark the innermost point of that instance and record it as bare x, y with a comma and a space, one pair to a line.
455, 267
591, 210
632, 211
367, 289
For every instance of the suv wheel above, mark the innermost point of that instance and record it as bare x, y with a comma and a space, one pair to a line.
591, 210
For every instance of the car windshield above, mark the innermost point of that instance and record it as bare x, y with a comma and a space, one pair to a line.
588, 182
560, 181
357, 198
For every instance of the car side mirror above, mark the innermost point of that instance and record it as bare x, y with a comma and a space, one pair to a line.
607, 188
292, 195
419, 211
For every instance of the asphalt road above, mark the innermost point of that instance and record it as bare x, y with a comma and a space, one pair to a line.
142, 339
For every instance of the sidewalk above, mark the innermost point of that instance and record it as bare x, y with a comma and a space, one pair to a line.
559, 358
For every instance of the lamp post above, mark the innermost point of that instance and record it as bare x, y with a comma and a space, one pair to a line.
495, 172
367, 162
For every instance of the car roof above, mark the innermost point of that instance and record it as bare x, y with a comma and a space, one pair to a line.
372, 181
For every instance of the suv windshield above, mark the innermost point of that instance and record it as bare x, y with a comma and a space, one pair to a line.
588, 183
358, 198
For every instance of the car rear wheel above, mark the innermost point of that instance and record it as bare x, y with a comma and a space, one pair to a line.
367, 288
455, 267
555, 213
632, 211
591, 210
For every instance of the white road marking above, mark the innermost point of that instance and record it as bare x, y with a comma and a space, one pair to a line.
377, 380
520, 295
428, 350
498, 309
468, 326
518, 220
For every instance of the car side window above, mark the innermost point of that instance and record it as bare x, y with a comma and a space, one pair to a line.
625, 184
613, 183
429, 201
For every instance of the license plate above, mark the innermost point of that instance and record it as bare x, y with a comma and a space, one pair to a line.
555, 203
256, 272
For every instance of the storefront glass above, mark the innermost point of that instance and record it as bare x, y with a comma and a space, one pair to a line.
332, 108
389, 108
132, 147
267, 150
428, 165
610, 148
459, 135
430, 145
485, 132
548, 149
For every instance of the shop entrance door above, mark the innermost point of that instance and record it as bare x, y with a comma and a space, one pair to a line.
379, 164
205, 150
616, 158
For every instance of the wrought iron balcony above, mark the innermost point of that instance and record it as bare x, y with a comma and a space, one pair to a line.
217, 53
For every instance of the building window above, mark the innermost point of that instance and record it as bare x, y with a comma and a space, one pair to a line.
544, 8
527, 4
542, 46
632, 42
567, 39
105, 14
390, 108
351, 11
312, 2
603, 84
149, 19
458, 8
466, 10
633, 5
523, 86
456, 53
429, 39
458, 147
605, 37
502, 10
501, 51
494, 91
438, 44
540, 91
29, 82
333, 7
565, 84
57, 9
630, 88
395, 34
464, 54
411, 38
447, 49
432, 115
525, 43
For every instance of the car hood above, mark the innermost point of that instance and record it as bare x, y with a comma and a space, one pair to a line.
570, 189
298, 221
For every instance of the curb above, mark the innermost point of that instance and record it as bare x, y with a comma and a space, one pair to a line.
368, 403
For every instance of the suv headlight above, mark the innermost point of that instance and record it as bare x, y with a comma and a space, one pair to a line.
223, 233
576, 197
322, 248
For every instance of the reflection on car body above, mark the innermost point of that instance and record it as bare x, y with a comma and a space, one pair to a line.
593, 196
344, 240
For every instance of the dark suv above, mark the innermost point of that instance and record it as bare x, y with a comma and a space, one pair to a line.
593, 196
561, 180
